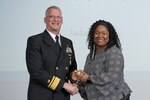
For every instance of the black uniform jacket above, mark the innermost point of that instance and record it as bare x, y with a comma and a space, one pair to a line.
48, 68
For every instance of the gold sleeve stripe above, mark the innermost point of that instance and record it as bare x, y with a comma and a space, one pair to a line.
51, 81
55, 83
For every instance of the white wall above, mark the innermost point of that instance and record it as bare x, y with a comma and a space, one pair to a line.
21, 18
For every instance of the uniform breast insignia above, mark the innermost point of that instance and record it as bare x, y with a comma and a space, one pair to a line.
69, 52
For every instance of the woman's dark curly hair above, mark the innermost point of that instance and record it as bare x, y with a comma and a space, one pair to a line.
113, 37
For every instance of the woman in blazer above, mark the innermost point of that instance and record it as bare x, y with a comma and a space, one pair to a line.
103, 77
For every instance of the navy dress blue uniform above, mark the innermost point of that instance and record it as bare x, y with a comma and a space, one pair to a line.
49, 68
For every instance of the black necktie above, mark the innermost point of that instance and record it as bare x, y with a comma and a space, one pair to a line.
57, 41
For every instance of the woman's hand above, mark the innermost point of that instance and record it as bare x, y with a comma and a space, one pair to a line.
82, 76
